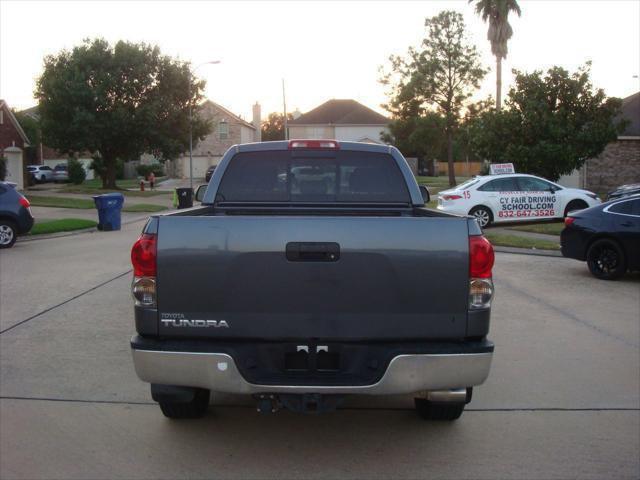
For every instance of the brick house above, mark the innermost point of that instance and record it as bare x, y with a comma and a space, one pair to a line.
11, 133
345, 120
228, 129
13, 141
619, 163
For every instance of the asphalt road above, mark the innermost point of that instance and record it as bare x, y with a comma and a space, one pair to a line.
562, 400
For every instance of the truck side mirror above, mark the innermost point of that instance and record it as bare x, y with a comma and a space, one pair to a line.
200, 191
425, 194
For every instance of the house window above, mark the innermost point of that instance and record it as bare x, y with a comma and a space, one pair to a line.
223, 130
1, 117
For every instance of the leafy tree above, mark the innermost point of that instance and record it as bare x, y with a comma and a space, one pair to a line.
438, 76
420, 136
76, 171
499, 33
551, 125
118, 102
273, 126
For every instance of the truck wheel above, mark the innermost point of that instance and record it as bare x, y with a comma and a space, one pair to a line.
605, 259
438, 410
196, 408
8, 233
483, 215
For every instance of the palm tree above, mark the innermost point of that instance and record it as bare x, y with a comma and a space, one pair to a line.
497, 12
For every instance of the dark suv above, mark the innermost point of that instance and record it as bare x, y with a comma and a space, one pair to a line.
15, 215
209, 174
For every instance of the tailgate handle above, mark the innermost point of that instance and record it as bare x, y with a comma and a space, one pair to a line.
313, 252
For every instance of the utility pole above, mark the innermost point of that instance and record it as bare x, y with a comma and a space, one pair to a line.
286, 122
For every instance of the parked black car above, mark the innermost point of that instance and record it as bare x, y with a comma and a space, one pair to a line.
624, 191
209, 174
15, 215
606, 236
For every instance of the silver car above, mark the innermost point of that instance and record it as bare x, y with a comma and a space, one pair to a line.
61, 173
40, 173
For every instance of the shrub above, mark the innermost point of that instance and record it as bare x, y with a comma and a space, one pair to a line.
3, 169
76, 171
97, 165
145, 170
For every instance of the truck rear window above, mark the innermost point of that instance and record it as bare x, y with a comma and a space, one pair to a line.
313, 176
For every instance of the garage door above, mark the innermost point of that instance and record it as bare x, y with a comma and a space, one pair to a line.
200, 165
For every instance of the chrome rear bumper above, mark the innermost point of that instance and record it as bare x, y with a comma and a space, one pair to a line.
405, 373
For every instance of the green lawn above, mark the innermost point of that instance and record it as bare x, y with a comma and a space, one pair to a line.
143, 207
42, 201
549, 228
442, 181
521, 242
62, 225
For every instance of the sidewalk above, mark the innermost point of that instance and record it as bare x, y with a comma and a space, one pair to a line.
171, 184
164, 200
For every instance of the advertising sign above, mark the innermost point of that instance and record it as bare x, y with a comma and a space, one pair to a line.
501, 168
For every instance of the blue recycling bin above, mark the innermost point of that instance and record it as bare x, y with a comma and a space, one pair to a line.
109, 206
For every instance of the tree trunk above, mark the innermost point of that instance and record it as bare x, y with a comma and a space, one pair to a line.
109, 180
498, 82
452, 173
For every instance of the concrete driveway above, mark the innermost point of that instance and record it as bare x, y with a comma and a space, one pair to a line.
562, 400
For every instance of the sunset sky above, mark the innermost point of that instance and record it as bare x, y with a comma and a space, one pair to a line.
323, 50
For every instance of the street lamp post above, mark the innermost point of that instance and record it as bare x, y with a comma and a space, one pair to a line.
191, 72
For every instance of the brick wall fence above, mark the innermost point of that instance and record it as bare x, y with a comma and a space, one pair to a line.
619, 164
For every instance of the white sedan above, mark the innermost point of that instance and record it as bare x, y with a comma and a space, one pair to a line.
512, 198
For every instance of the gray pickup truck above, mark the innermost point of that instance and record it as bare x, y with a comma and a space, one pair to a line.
312, 270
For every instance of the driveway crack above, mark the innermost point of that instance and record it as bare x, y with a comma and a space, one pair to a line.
22, 322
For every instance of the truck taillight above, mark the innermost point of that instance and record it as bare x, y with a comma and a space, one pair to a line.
481, 259
314, 144
143, 258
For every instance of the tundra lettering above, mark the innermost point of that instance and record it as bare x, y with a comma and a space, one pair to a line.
183, 322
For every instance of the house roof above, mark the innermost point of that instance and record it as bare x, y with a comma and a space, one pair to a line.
4, 106
340, 112
230, 113
631, 112
32, 112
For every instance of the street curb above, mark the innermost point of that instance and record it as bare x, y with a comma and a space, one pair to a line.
28, 238
528, 251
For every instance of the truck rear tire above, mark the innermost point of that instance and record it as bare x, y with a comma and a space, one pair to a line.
195, 408
438, 410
